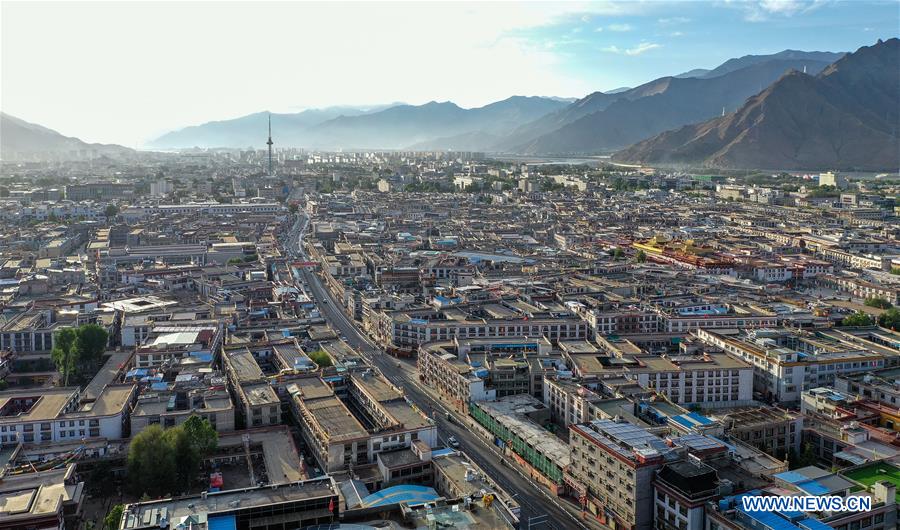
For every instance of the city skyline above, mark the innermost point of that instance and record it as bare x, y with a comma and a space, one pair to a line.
165, 67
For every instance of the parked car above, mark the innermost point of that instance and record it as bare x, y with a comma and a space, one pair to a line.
453, 442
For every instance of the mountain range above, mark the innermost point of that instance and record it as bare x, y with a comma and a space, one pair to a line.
627, 117
395, 127
601, 122
246, 130
845, 117
21, 140
789, 110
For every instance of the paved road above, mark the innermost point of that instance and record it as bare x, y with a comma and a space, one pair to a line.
534, 500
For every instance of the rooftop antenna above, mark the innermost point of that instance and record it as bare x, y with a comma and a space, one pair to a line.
269, 143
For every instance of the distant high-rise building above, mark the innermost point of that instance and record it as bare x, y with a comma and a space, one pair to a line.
832, 179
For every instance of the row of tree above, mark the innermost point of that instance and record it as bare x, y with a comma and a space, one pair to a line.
889, 319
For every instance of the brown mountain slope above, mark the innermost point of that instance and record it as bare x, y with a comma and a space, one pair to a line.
844, 118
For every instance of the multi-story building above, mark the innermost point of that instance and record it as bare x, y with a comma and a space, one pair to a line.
693, 375
28, 332
257, 402
775, 431
687, 318
171, 408
170, 341
407, 330
301, 504
786, 362
613, 468
519, 424
42, 499
334, 434
481, 369
681, 491
47, 416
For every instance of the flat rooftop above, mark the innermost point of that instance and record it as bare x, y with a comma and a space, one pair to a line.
260, 394
377, 387
336, 420
45, 404
148, 514
112, 400
244, 366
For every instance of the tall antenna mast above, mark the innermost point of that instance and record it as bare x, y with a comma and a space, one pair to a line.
269, 143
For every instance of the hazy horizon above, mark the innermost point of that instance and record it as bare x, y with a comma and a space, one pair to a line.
131, 71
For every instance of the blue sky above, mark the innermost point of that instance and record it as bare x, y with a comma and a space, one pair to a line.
129, 71
645, 40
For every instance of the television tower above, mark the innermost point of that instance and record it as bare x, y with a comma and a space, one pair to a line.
269, 143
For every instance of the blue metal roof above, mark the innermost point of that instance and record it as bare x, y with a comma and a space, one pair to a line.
770, 520
814, 524
681, 420
221, 522
791, 476
703, 420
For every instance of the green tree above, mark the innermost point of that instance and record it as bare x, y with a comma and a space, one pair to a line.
618, 253
202, 435
111, 211
890, 319
152, 468
857, 319
808, 457
641, 257
321, 358
91, 344
112, 519
64, 354
880, 303
187, 458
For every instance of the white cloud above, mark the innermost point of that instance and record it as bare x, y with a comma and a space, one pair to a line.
673, 21
762, 10
620, 27
782, 7
635, 50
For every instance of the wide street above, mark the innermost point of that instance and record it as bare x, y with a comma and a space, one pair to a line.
535, 501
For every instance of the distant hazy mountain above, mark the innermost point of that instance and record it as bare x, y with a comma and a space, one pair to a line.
252, 130
748, 60
407, 125
660, 105
732, 65
20, 139
394, 127
470, 141
618, 90
846, 117
696, 72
